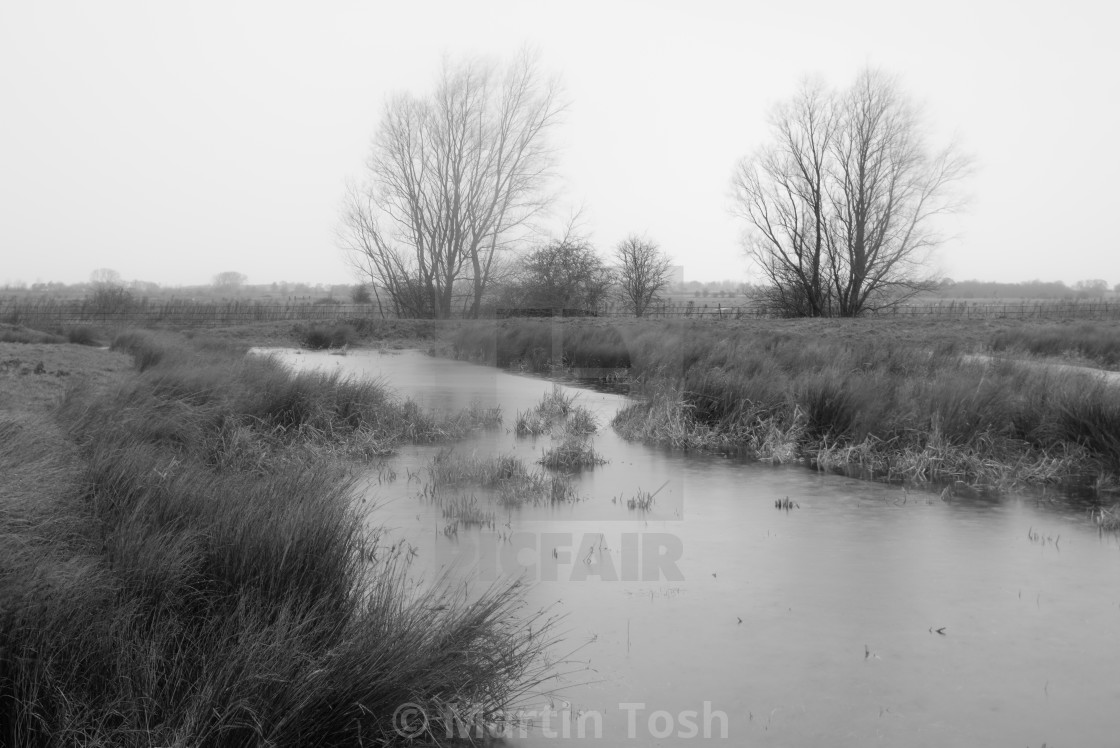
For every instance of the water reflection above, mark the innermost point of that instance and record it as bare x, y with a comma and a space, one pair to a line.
861, 616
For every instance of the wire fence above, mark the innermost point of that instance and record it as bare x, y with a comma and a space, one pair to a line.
52, 313
55, 313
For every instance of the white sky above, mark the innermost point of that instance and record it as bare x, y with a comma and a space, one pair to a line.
171, 142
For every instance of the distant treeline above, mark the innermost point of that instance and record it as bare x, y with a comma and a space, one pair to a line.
1036, 289
145, 289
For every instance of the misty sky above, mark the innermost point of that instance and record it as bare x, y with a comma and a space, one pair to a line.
173, 141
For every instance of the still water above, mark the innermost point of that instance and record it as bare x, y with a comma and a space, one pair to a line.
862, 616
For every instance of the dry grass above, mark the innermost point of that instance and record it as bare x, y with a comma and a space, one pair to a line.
63, 366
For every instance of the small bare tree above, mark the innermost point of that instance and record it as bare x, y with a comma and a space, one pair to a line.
842, 206
643, 271
454, 179
230, 281
108, 294
564, 273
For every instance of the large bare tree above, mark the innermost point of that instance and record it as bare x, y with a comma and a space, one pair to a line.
782, 191
842, 206
643, 271
454, 179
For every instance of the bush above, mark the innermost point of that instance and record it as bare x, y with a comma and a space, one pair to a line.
81, 335
321, 337
110, 299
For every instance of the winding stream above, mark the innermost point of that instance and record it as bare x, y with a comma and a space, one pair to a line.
863, 615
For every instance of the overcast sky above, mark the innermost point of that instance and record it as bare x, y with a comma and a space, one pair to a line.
173, 141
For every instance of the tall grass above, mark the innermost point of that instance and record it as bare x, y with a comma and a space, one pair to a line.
1098, 342
156, 591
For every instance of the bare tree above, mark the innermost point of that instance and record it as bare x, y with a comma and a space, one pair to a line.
842, 207
1091, 287
105, 277
230, 280
643, 271
454, 179
782, 192
108, 294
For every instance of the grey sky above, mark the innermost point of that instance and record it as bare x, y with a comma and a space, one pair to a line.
174, 141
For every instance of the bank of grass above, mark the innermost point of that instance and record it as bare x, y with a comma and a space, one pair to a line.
345, 333
20, 334
177, 567
79, 334
318, 408
319, 337
1093, 342
539, 346
886, 407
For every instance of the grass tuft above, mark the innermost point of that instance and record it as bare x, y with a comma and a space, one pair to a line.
506, 477
573, 453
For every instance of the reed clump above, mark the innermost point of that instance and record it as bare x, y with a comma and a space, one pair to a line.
466, 511
508, 479
156, 590
573, 453
556, 408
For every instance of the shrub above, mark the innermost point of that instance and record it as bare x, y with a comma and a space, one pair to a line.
81, 335
110, 299
321, 337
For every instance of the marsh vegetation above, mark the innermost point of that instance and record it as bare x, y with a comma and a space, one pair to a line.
891, 409
184, 564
